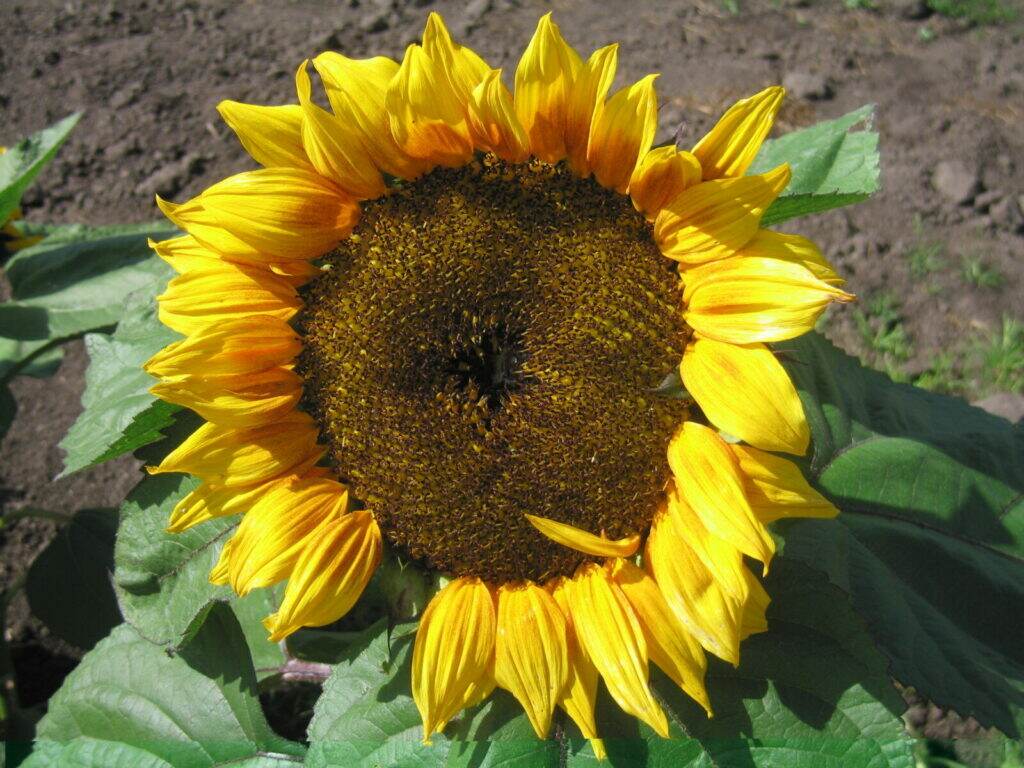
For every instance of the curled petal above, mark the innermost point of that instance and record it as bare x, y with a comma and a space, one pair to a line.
247, 345
585, 100
708, 478
493, 121
731, 146
660, 177
248, 400
186, 254
776, 488
544, 82
453, 659
795, 249
583, 541
531, 654
722, 559
622, 133
464, 69
608, 629
271, 135
715, 219
752, 299
210, 500
745, 391
329, 575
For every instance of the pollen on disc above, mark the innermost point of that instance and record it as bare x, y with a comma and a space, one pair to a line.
487, 345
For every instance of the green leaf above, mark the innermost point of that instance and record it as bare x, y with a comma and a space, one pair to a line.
930, 542
39, 359
119, 414
20, 164
129, 703
161, 579
73, 283
811, 692
831, 166
68, 584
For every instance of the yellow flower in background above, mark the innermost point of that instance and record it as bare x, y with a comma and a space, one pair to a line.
439, 317
11, 237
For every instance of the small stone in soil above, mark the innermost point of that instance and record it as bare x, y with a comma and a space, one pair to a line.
1006, 214
807, 85
1005, 404
955, 181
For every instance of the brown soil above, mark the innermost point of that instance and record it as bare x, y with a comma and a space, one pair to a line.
149, 75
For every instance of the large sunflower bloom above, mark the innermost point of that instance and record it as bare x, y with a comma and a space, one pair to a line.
439, 316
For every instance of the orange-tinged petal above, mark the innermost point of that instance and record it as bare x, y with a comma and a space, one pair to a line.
244, 346
204, 297
745, 391
585, 100
750, 299
545, 78
357, 89
776, 488
795, 249
622, 133
241, 457
670, 646
715, 219
580, 693
709, 480
454, 651
273, 534
329, 575
722, 559
609, 631
731, 146
334, 146
584, 541
493, 122
271, 135
660, 177
246, 400
692, 591
427, 119
531, 654
272, 214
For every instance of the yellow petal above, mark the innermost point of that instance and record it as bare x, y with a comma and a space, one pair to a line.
750, 299
204, 297
715, 219
210, 500
754, 618
670, 646
329, 575
609, 631
284, 522
580, 693
722, 559
334, 146
730, 147
544, 81
356, 89
776, 488
240, 457
186, 254
795, 249
247, 400
245, 346
660, 177
427, 119
585, 100
531, 655
583, 541
462, 67
271, 135
454, 651
493, 121
273, 214
745, 391
622, 133
709, 480
692, 591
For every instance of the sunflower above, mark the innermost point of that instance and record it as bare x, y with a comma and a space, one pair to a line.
440, 315
11, 237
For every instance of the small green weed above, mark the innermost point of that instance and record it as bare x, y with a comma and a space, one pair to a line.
976, 11
883, 334
1000, 358
979, 274
926, 255
944, 374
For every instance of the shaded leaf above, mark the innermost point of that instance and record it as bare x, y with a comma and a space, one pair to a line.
20, 164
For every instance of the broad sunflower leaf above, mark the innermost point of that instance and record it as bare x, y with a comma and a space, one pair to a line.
129, 703
831, 166
79, 279
161, 579
811, 692
119, 414
20, 164
68, 584
930, 542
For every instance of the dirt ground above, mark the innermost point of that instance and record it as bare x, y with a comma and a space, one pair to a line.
936, 257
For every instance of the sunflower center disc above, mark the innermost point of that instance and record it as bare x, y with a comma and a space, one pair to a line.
487, 345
